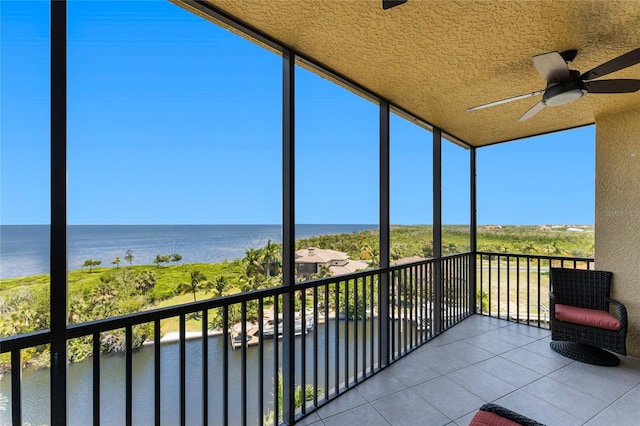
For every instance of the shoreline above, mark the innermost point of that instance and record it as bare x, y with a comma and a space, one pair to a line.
174, 337
25, 248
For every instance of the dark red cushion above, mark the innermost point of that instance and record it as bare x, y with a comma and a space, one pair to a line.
589, 317
485, 418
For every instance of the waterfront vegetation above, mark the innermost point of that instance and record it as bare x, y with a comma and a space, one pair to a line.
102, 292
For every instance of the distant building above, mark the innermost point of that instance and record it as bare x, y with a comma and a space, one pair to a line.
309, 261
491, 227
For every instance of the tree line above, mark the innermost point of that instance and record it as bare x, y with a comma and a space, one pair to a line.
24, 306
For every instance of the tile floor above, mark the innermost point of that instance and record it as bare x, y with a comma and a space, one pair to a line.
489, 360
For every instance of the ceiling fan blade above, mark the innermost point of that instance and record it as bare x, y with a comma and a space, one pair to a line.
388, 4
622, 61
552, 67
533, 111
504, 101
612, 86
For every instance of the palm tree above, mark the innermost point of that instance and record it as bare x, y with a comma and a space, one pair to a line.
270, 254
198, 282
300, 396
271, 281
252, 262
529, 247
220, 285
249, 280
145, 281
103, 292
323, 271
556, 250
253, 271
553, 249
128, 256
370, 255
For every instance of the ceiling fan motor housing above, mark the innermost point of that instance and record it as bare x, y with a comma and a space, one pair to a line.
563, 93
565, 85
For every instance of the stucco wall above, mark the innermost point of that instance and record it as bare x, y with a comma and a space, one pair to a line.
617, 218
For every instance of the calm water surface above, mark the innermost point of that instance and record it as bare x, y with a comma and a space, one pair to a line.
24, 249
112, 386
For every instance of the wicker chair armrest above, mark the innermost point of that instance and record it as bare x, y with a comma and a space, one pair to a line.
511, 415
622, 312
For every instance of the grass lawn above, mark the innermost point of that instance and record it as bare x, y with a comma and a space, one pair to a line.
173, 323
508, 284
515, 290
509, 289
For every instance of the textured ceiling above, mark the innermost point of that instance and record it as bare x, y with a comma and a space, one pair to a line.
436, 58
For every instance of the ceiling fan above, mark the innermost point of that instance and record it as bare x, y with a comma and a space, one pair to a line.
565, 85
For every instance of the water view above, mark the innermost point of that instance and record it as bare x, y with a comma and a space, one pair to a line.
193, 241
25, 253
24, 249
112, 368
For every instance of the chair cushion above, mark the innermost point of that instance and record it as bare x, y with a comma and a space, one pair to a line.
589, 317
485, 418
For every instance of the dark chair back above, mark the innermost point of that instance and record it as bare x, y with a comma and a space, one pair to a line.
581, 288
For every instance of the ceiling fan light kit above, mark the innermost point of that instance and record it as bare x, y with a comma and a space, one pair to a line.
565, 86
563, 93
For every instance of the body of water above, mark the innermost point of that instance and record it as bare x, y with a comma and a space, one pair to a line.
36, 397
24, 249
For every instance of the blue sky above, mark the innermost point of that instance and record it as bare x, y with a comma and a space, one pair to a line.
174, 120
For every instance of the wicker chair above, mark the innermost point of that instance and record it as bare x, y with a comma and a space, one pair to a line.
588, 289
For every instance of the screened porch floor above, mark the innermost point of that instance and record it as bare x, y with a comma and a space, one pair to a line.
483, 360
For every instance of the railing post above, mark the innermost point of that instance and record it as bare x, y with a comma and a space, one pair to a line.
58, 238
383, 313
473, 216
437, 231
16, 387
288, 236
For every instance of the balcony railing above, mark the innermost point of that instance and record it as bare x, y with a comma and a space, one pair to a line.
515, 287
341, 330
